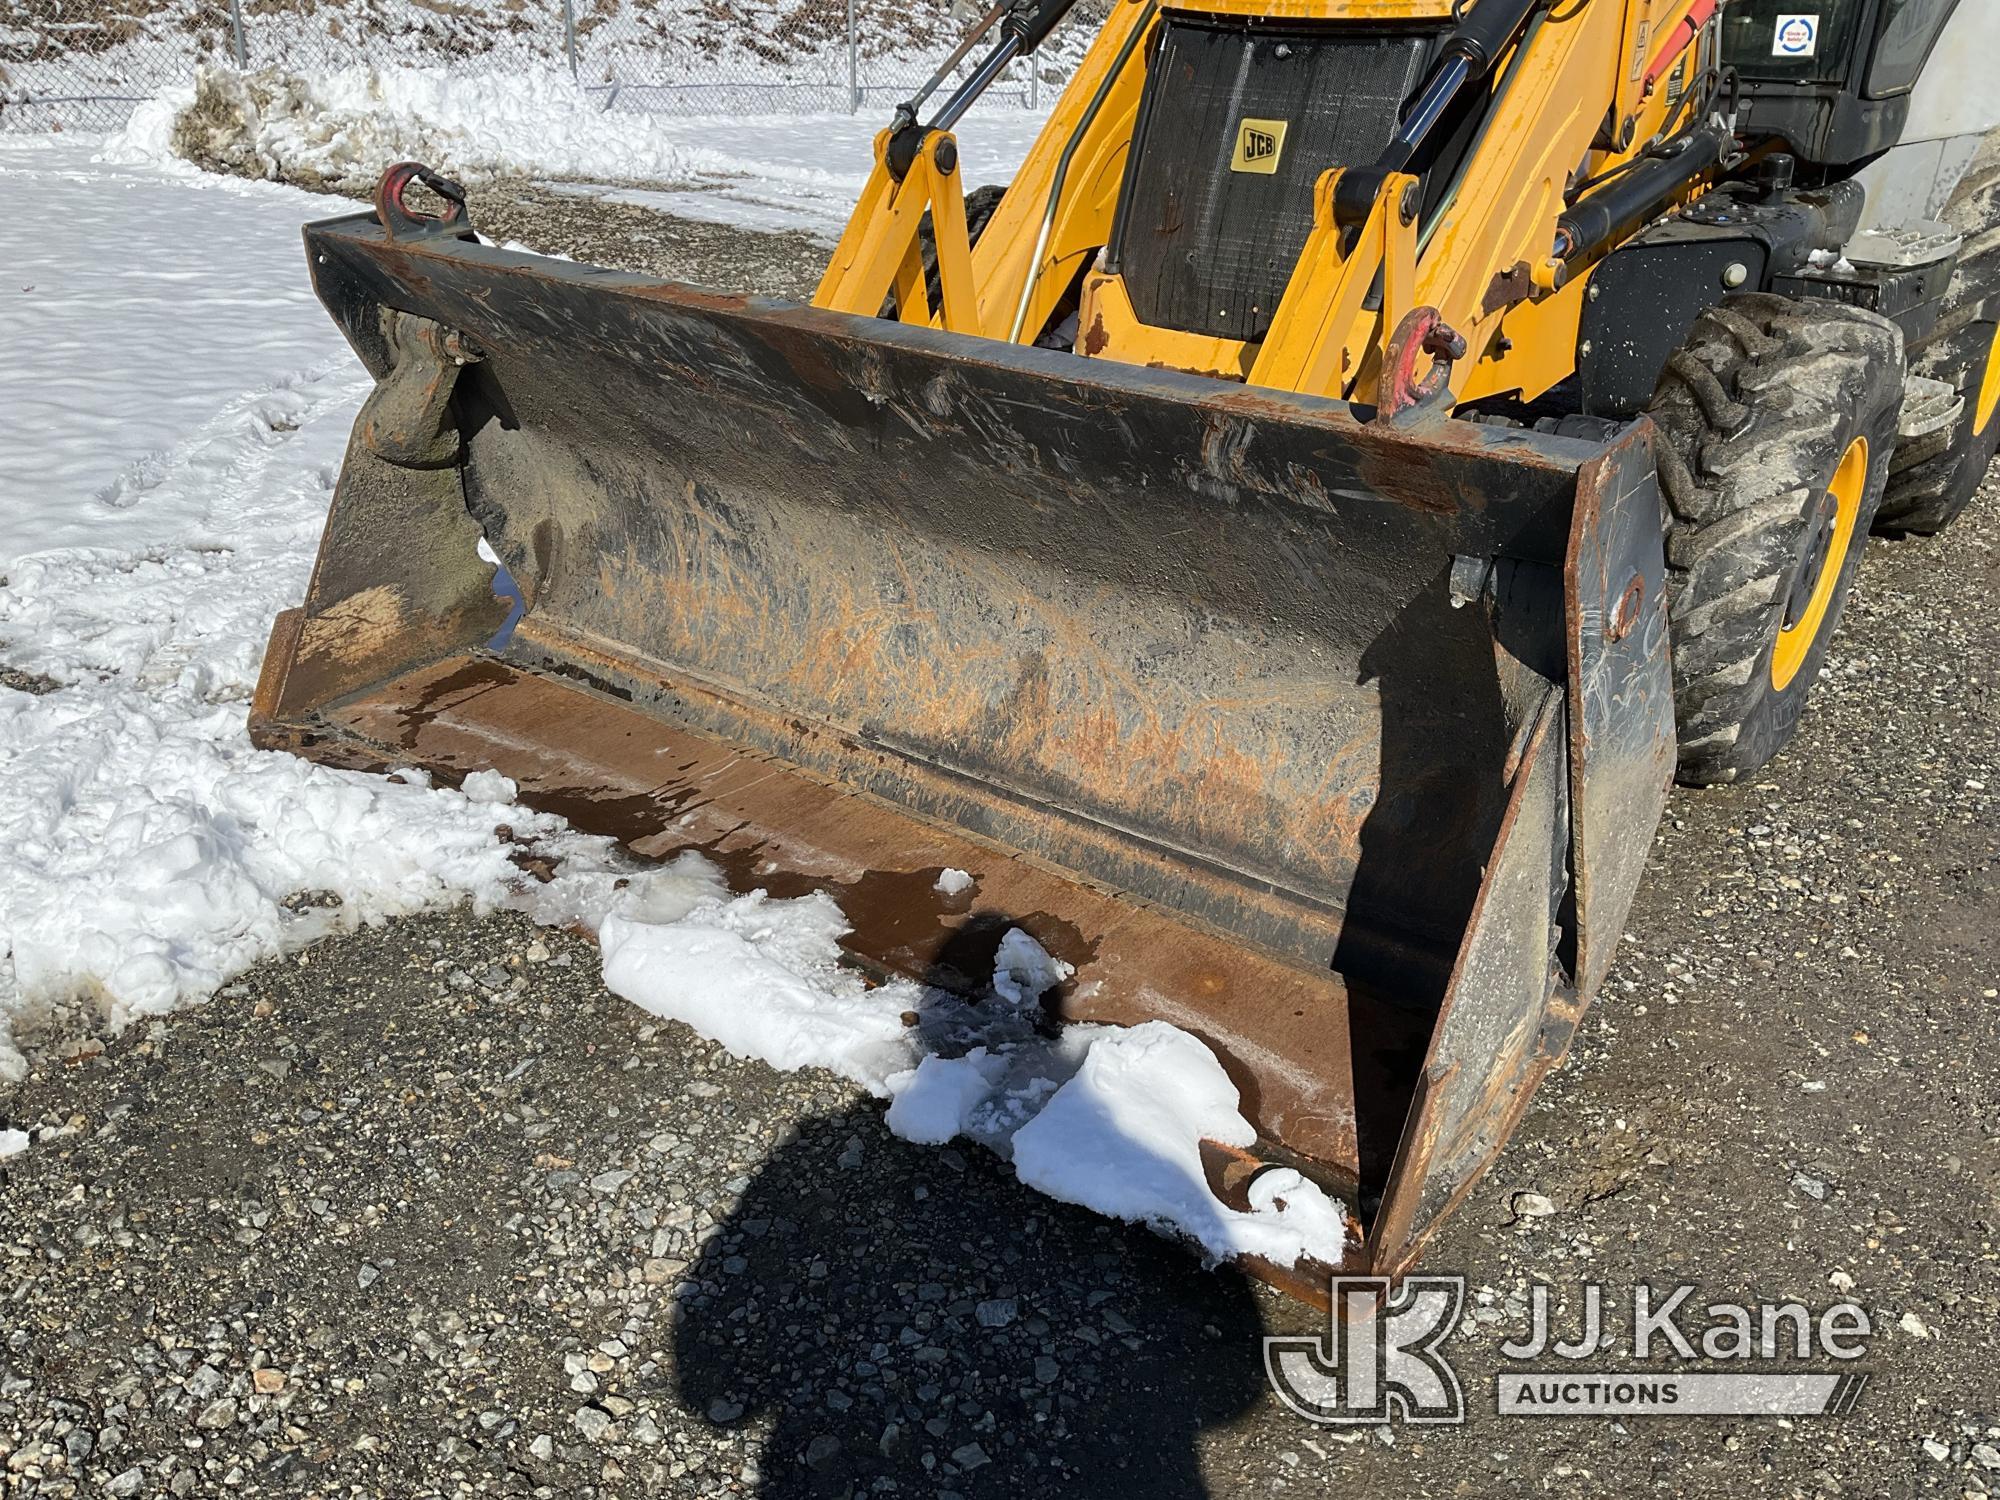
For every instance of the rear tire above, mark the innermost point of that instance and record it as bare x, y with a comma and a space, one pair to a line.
1941, 477
1937, 477
1778, 420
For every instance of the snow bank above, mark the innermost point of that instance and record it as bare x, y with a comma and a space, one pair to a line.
939, 1100
1123, 1136
1024, 971
762, 978
338, 130
146, 848
1108, 1118
676, 56
143, 315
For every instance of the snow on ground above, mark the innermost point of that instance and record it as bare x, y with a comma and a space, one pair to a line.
339, 130
178, 406
1107, 1117
123, 337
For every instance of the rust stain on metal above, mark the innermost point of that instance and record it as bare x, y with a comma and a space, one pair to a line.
1515, 284
267, 702
1095, 730
357, 628
1626, 616
690, 296
613, 770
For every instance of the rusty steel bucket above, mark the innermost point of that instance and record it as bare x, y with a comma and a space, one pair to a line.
1336, 741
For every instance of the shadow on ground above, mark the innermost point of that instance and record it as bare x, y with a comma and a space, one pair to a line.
1026, 1374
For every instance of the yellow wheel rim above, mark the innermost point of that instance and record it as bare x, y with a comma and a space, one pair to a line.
1837, 514
1989, 387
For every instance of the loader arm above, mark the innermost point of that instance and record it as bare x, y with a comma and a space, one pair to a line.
1485, 250
1084, 144
1575, 93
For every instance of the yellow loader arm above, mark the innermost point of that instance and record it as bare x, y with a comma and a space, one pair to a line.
1380, 284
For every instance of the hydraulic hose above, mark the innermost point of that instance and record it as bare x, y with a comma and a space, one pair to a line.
1026, 27
1437, 215
906, 112
1469, 53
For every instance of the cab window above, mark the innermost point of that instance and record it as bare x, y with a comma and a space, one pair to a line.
1909, 28
1790, 41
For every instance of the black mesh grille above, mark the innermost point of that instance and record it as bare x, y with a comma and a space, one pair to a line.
1209, 250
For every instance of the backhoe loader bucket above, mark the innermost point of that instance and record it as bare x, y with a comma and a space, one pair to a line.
1337, 742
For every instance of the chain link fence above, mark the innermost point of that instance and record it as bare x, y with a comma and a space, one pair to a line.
85, 64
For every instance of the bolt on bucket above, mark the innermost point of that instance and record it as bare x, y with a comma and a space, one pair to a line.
1336, 742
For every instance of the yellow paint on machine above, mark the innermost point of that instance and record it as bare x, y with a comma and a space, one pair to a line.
1843, 495
1988, 398
1480, 256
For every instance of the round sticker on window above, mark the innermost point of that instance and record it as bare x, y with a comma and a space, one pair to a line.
1796, 36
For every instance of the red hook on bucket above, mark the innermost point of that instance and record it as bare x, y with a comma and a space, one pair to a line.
1422, 331
399, 220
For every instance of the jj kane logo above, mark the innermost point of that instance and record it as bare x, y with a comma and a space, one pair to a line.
1382, 1357
1259, 144
1379, 1358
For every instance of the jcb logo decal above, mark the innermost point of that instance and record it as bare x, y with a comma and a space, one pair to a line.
1259, 144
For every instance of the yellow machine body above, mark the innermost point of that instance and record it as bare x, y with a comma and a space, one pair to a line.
1483, 262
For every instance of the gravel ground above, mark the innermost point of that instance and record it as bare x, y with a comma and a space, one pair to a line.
425, 1211
632, 238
